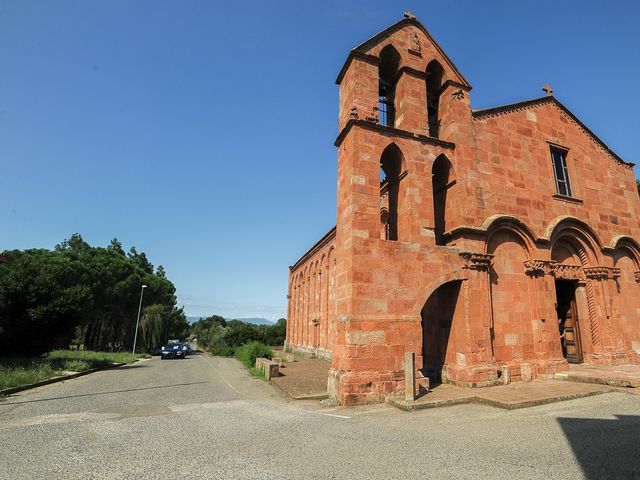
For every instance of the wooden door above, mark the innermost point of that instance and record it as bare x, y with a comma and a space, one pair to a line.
572, 334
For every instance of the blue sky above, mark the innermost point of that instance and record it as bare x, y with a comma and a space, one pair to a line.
202, 132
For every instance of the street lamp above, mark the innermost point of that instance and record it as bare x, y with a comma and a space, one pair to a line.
135, 337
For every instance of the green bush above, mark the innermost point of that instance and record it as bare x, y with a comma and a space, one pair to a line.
248, 353
222, 351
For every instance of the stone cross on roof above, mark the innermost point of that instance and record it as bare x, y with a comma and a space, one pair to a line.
408, 14
547, 89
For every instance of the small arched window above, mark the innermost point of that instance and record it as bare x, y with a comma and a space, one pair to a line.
387, 71
435, 75
390, 169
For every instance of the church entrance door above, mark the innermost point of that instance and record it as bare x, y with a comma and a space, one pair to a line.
568, 321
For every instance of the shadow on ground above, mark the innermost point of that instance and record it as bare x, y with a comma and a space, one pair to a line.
605, 448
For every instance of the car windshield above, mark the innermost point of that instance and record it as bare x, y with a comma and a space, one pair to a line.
174, 346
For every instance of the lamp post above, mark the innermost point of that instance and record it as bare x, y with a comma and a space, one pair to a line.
135, 337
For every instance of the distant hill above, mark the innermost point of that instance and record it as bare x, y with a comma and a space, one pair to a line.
255, 321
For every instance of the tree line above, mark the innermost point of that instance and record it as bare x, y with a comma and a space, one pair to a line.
77, 294
223, 337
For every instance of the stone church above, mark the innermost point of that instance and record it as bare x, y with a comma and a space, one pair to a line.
491, 243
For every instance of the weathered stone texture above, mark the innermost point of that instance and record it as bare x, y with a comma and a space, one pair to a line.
461, 254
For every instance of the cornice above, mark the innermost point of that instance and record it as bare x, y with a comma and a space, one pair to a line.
564, 111
372, 59
376, 127
330, 235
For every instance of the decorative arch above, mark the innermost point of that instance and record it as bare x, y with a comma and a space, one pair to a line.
391, 163
573, 234
510, 223
629, 245
512, 302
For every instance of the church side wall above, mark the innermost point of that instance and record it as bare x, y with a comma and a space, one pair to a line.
312, 301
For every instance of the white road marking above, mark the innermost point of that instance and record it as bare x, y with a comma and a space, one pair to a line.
334, 415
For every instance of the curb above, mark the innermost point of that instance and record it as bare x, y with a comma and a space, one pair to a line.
609, 381
61, 378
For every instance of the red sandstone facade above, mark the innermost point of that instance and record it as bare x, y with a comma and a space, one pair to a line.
495, 242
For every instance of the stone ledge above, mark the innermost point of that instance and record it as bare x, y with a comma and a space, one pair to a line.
609, 381
496, 398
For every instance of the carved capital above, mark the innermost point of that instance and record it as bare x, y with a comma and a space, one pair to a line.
354, 113
477, 261
568, 272
596, 273
458, 95
637, 276
539, 268
373, 115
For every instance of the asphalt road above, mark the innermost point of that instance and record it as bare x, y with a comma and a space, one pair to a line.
207, 418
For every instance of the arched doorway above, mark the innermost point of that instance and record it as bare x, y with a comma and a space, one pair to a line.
438, 316
565, 253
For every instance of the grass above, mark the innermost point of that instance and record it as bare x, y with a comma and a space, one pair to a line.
15, 372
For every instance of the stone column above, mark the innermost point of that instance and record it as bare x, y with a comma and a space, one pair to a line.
476, 366
601, 279
411, 101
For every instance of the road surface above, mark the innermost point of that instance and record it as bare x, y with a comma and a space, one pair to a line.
206, 418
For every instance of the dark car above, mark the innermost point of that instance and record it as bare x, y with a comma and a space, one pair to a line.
173, 350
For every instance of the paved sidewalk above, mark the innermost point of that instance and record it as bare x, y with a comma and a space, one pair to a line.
305, 378
512, 396
614, 375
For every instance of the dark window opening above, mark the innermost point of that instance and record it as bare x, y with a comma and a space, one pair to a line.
440, 181
386, 109
561, 172
387, 71
435, 75
390, 167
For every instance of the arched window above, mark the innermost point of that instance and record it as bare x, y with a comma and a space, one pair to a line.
390, 169
435, 75
389, 62
440, 173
